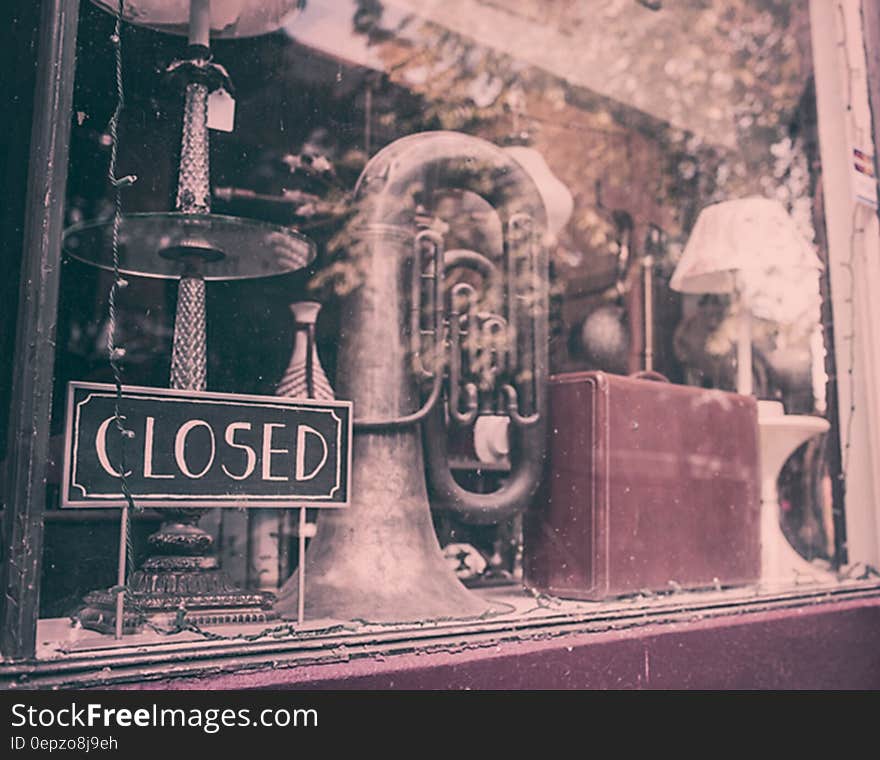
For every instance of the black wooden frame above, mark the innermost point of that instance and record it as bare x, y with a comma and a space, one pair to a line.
30, 399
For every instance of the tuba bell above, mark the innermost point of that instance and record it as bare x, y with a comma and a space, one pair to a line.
430, 339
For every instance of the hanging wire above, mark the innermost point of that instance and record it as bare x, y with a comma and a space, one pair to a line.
116, 352
849, 264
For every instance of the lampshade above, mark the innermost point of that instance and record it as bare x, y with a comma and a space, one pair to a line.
558, 200
753, 248
229, 18
736, 244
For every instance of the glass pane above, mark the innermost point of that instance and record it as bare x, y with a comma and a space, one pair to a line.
566, 260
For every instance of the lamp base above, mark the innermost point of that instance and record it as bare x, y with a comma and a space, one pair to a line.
170, 591
180, 584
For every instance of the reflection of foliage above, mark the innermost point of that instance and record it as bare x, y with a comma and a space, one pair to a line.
367, 20
463, 84
347, 255
747, 57
742, 64
723, 82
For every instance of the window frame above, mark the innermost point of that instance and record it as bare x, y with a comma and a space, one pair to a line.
31, 392
852, 242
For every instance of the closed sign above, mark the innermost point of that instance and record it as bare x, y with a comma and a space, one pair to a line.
188, 449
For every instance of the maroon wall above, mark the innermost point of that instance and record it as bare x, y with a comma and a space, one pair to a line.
818, 646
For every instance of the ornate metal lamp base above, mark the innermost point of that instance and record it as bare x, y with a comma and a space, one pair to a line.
169, 586
180, 578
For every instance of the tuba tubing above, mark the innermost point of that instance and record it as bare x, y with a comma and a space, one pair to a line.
388, 194
484, 508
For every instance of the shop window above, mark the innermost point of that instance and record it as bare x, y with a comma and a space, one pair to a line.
568, 261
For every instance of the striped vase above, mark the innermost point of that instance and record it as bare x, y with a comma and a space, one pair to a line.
303, 378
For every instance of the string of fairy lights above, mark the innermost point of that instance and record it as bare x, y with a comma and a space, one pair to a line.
115, 352
856, 231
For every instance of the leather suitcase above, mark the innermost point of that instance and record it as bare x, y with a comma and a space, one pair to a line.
650, 486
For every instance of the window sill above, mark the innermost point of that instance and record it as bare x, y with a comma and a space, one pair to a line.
332, 652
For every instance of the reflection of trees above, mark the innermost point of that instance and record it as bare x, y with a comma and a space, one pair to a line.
741, 66
749, 58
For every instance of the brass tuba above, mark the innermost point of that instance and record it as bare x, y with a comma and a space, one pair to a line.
417, 354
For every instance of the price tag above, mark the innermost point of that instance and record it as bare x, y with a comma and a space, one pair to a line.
221, 111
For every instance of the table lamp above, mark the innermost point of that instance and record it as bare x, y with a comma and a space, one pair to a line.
191, 245
738, 247
751, 247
